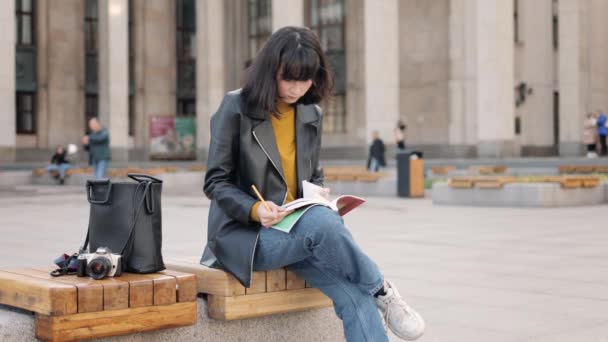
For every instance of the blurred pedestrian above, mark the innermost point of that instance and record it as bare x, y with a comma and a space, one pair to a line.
602, 132
376, 157
98, 141
590, 134
400, 135
59, 164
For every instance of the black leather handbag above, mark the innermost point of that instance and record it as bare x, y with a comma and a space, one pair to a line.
126, 217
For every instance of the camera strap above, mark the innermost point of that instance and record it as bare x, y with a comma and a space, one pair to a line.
67, 264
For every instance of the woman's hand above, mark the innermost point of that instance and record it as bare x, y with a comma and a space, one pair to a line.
275, 215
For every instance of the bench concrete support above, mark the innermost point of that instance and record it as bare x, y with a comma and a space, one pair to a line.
17, 325
520, 195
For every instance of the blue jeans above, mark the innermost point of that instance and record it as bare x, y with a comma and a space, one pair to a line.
99, 168
321, 250
61, 168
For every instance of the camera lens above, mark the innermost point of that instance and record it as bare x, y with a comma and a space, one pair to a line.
99, 268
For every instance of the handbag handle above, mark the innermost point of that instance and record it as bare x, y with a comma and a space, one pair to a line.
92, 183
143, 178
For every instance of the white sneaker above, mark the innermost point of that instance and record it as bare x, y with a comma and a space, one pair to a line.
398, 316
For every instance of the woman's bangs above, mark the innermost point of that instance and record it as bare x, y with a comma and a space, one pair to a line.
300, 65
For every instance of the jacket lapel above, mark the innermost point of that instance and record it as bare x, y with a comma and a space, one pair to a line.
306, 131
263, 133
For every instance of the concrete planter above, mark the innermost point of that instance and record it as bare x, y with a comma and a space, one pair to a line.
383, 187
520, 195
313, 325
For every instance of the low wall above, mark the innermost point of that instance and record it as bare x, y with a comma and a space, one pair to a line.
520, 195
314, 325
383, 187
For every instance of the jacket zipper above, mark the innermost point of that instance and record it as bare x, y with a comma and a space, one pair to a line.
284, 198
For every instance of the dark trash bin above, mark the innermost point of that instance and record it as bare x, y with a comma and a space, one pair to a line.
410, 174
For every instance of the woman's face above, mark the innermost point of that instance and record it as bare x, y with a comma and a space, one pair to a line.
291, 91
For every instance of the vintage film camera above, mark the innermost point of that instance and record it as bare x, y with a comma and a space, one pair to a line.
100, 264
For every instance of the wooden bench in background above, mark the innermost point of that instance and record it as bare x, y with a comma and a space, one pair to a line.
442, 170
272, 292
483, 182
351, 174
583, 169
488, 169
71, 308
496, 182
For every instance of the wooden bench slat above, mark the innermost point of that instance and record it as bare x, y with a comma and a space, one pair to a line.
117, 322
39, 295
262, 304
141, 290
164, 287
293, 282
275, 280
258, 283
89, 292
209, 280
186, 285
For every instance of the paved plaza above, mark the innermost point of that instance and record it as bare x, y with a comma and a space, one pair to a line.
475, 274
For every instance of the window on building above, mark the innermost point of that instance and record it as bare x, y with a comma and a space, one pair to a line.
25, 67
91, 59
186, 57
26, 112
131, 71
25, 22
555, 24
259, 19
327, 18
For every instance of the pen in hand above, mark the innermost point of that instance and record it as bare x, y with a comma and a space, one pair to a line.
260, 197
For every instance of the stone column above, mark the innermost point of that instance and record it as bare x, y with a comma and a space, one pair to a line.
114, 74
155, 66
535, 66
287, 13
495, 94
7, 83
381, 52
573, 74
210, 68
462, 129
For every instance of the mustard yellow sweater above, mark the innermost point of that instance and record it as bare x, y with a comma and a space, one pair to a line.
285, 135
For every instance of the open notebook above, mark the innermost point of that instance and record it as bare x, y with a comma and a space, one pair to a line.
311, 197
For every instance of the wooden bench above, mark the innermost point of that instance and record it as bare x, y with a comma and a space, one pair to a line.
71, 308
442, 170
583, 169
272, 292
572, 182
489, 182
482, 182
488, 169
351, 174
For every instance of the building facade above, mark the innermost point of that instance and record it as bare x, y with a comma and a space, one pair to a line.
487, 78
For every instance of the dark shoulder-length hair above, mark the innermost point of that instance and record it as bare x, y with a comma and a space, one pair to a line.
295, 51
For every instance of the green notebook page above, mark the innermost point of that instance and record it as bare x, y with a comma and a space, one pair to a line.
290, 220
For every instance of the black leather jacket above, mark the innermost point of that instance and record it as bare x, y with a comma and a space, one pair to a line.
243, 152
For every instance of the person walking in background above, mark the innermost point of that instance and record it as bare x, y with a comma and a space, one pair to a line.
376, 153
98, 141
602, 132
590, 134
400, 135
59, 164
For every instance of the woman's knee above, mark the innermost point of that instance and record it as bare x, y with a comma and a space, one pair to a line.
323, 225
